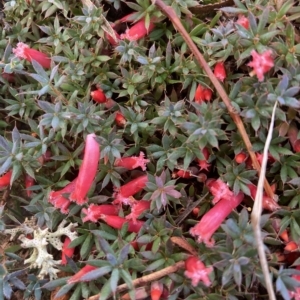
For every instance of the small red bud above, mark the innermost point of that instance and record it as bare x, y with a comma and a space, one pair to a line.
29, 181
66, 251
98, 96
241, 157
120, 119
220, 71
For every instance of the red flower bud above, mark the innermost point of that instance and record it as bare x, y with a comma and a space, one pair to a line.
137, 31
120, 119
77, 277
241, 157
94, 212
156, 290
212, 220
261, 63
23, 51
129, 189
196, 271
66, 251
196, 211
29, 181
243, 21
132, 162
87, 171
220, 71
137, 209
202, 94
98, 96
5, 180
117, 223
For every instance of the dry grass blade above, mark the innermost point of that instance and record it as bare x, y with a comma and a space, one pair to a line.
257, 209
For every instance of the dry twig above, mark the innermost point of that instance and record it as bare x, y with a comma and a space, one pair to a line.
147, 278
256, 213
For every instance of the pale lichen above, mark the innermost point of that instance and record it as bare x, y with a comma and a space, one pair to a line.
40, 258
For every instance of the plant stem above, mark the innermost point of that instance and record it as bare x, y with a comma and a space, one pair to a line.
170, 13
147, 278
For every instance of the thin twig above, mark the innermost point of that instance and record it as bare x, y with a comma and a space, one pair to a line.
169, 11
147, 278
257, 209
189, 209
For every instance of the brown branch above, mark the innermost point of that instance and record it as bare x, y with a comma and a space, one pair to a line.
170, 13
147, 278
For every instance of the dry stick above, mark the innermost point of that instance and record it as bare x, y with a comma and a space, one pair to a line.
168, 11
147, 278
257, 209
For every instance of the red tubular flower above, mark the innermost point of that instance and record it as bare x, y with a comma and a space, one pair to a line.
137, 209
94, 212
66, 251
261, 63
132, 162
129, 189
5, 180
220, 71
117, 223
23, 51
212, 220
59, 201
243, 21
203, 164
98, 96
156, 290
268, 203
87, 171
77, 277
137, 31
241, 157
219, 190
196, 271
202, 94
120, 119
29, 181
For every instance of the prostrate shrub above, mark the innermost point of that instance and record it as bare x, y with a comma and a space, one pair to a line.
124, 174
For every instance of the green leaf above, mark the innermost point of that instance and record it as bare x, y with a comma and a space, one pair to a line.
95, 274
87, 246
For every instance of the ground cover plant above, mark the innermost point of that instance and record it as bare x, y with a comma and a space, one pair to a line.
131, 143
